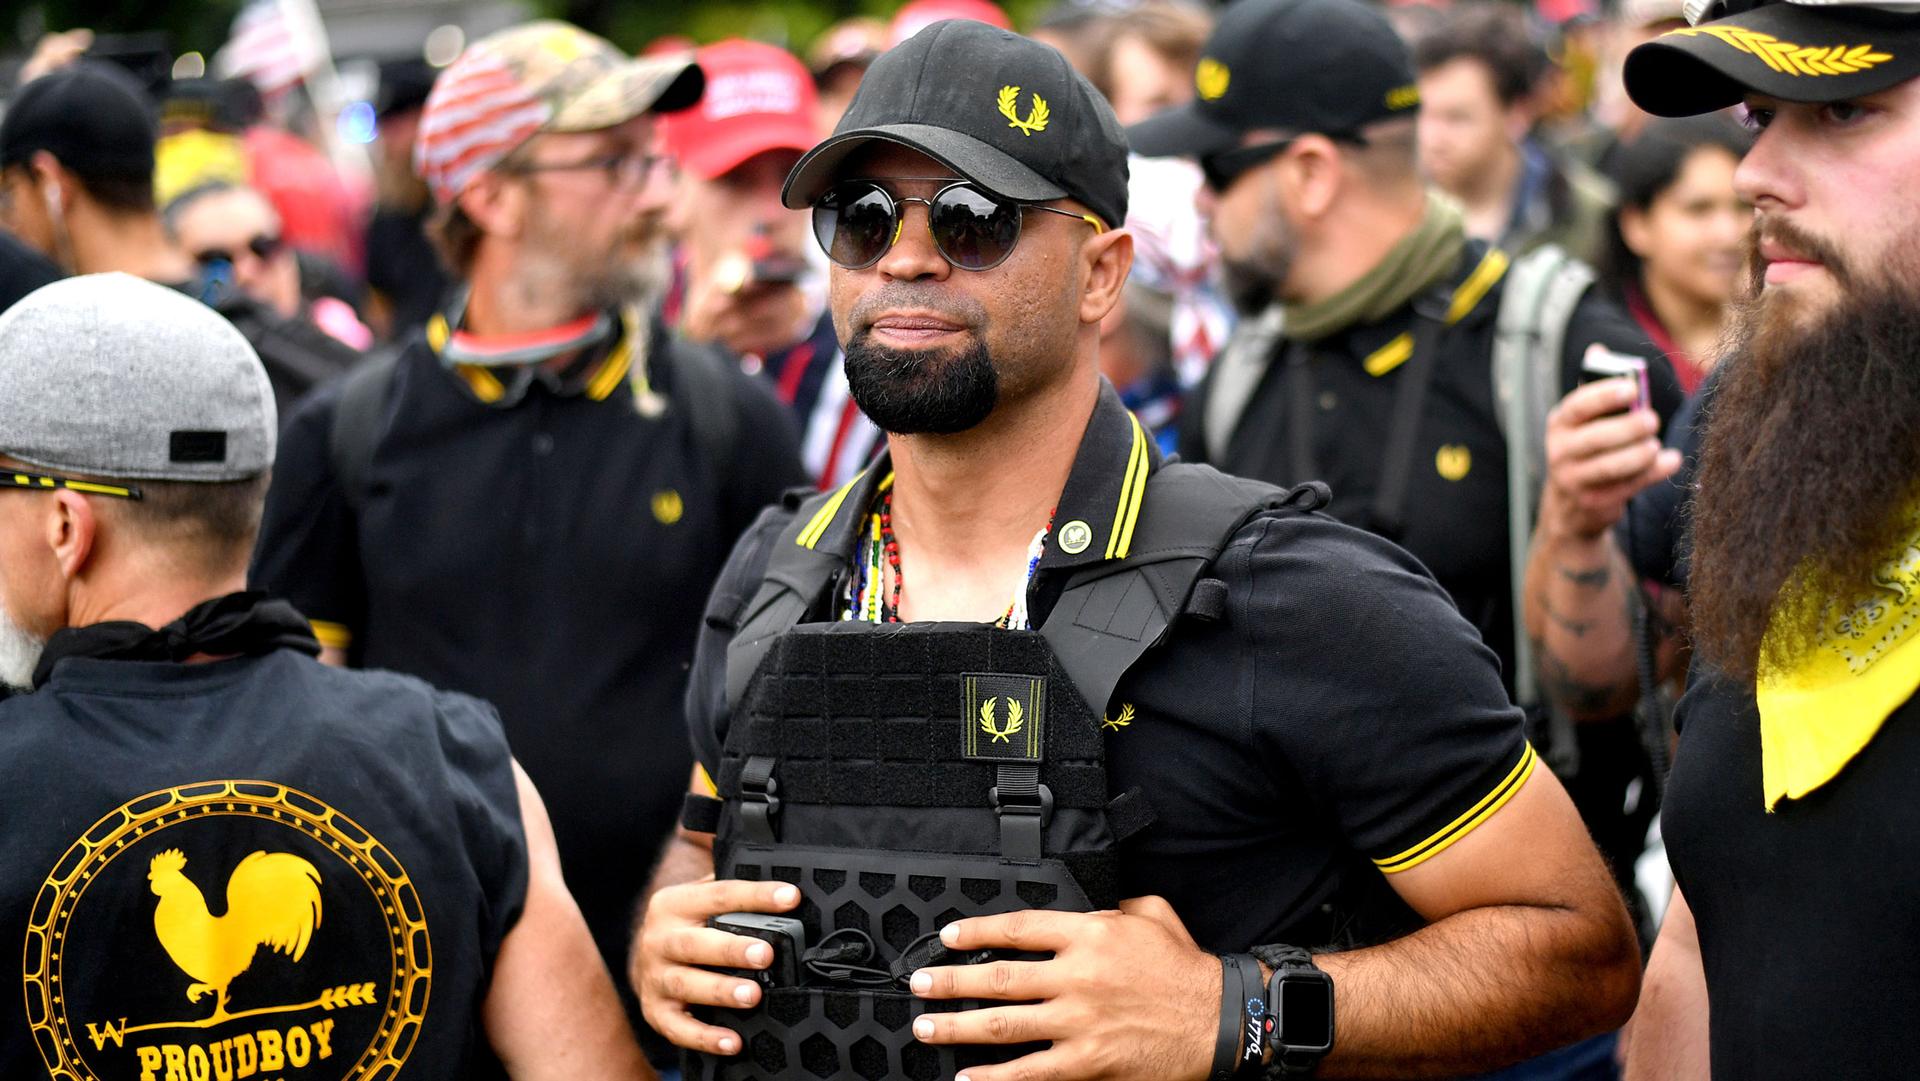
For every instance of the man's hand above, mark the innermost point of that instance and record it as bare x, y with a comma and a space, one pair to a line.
748, 317
1127, 995
676, 947
1598, 457
56, 51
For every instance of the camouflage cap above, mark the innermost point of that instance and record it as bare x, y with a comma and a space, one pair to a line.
537, 77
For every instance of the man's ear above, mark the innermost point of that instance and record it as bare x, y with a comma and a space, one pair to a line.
1311, 175
71, 529
1109, 257
495, 204
50, 177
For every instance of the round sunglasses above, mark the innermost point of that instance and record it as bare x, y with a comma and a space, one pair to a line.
857, 221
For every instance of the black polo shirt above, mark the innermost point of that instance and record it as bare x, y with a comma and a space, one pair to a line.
1339, 724
259, 866
1809, 930
552, 558
1455, 512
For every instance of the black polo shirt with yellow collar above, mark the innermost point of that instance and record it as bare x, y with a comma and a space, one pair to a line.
1340, 724
1455, 513
549, 554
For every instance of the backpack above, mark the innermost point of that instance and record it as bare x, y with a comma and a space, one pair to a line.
1543, 288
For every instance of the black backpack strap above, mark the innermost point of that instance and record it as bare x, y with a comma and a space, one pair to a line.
795, 577
358, 418
704, 386
1387, 516
1112, 613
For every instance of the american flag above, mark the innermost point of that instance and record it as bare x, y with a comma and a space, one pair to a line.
270, 47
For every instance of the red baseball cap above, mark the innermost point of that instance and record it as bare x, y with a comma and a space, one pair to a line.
920, 14
758, 98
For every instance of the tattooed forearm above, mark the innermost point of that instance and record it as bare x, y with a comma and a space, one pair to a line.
1577, 696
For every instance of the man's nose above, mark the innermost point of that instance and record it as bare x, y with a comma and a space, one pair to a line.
912, 253
1767, 177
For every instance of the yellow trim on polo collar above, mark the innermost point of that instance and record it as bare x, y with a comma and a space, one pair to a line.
1466, 297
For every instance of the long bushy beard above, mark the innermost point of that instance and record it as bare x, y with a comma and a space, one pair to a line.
1809, 466
914, 391
19, 653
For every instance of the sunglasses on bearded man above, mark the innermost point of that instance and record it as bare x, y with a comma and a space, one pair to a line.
857, 221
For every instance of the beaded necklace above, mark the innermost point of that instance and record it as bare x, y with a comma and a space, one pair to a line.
873, 592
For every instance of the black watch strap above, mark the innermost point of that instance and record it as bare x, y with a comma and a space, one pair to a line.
1292, 965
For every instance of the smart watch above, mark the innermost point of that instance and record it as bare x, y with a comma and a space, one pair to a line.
1300, 1001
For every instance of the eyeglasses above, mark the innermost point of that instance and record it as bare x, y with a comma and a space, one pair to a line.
628, 170
42, 482
1222, 169
858, 221
264, 247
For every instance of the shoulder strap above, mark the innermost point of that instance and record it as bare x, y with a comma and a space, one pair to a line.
706, 388
794, 579
1387, 516
1543, 289
357, 418
1110, 614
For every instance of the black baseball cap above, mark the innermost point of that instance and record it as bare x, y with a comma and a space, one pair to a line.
92, 117
1006, 112
1297, 66
1791, 51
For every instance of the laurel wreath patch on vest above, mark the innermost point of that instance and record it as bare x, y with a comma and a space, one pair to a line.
1004, 717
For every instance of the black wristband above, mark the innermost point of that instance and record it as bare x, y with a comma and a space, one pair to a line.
1227, 1044
1253, 1018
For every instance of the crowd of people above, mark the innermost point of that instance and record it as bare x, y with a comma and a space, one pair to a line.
1297, 537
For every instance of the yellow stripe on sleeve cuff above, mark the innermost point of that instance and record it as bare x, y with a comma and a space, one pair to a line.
1467, 822
331, 635
705, 779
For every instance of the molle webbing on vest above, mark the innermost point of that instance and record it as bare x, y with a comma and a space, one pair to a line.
853, 726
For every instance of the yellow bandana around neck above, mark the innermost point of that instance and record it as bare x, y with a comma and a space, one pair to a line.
1818, 715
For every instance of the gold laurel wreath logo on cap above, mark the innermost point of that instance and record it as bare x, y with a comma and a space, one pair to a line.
1211, 79
1788, 58
1010, 108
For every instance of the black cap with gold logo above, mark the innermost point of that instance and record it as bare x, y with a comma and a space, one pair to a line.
1792, 51
1006, 112
1287, 66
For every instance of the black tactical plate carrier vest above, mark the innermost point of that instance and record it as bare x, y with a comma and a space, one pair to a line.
908, 775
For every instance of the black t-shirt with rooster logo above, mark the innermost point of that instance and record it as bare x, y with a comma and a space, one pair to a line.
257, 867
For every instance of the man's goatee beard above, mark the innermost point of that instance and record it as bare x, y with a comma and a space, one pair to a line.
1809, 468
912, 391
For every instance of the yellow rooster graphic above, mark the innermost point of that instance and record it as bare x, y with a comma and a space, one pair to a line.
273, 900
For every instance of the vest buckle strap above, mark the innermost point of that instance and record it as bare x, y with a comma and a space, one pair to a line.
759, 799
1024, 807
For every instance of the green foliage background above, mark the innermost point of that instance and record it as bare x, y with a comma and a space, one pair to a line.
203, 24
